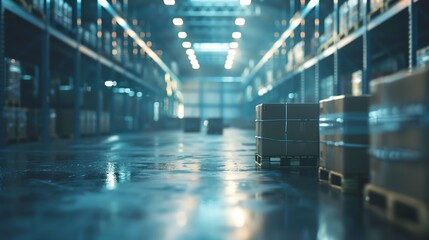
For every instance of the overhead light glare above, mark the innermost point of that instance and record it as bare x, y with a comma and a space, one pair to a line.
233, 45
192, 57
190, 51
169, 2
177, 21
196, 66
186, 45
236, 35
240, 21
211, 47
245, 2
182, 35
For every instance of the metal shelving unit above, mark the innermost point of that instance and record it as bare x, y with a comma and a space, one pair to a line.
362, 49
81, 59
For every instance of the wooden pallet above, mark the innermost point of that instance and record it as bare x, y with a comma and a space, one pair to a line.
346, 184
12, 103
402, 210
326, 44
323, 175
286, 161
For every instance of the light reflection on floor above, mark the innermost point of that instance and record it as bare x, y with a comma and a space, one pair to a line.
170, 185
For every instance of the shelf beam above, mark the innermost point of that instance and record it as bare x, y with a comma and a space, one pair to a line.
2, 78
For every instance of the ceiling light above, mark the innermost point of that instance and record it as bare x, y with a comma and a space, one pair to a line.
230, 57
182, 34
211, 47
233, 45
240, 21
177, 21
190, 51
245, 2
194, 62
228, 66
196, 66
186, 44
192, 57
232, 52
236, 35
229, 62
169, 2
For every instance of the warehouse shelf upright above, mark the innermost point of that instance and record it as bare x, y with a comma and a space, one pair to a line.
380, 44
58, 49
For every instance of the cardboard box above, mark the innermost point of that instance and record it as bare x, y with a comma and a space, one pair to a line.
344, 135
287, 130
344, 18
192, 124
215, 126
21, 123
399, 133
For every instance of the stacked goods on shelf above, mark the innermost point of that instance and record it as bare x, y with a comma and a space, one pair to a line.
191, 124
104, 122
298, 52
9, 116
34, 123
344, 19
215, 126
38, 8
23, 4
327, 37
62, 14
64, 123
89, 35
423, 56
344, 142
29, 87
290, 61
399, 151
21, 124
287, 135
107, 43
357, 12
13, 82
357, 83
375, 6
326, 87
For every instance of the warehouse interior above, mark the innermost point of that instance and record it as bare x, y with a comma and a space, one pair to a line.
214, 119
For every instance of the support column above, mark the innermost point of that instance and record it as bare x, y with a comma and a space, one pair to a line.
77, 91
45, 79
2, 77
366, 71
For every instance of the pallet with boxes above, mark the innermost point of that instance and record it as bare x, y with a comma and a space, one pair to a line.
344, 142
399, 150
327, 38
287, 135
377, 7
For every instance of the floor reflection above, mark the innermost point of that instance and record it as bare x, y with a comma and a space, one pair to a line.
170, 186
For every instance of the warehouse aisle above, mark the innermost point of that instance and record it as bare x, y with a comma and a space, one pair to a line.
170, 185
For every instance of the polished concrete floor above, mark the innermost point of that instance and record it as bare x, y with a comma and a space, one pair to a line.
170, 185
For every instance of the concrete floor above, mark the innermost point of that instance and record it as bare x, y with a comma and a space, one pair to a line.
170, 185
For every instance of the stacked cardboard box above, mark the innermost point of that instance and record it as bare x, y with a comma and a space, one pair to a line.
344, 18
13, 81
34, 123
21, 124
344, 135
287, 130
215, 126
9, 116
399, 150
192, 124
423, 56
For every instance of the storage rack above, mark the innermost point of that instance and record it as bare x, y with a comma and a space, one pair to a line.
39, 40
384, 42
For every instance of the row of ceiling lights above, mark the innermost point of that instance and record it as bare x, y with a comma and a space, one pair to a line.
188, 45
242, 2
